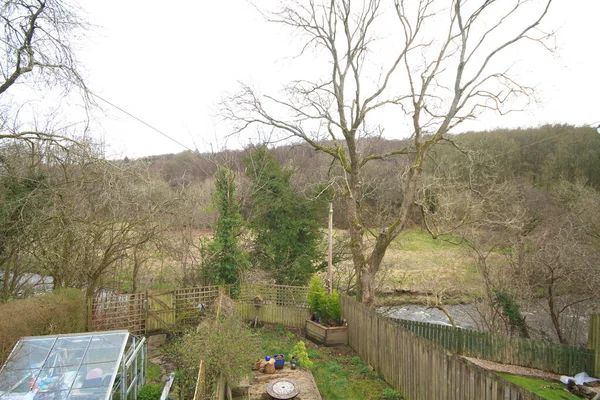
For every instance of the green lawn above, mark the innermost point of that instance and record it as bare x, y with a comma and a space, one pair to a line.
547, 390
338, 371
421, 240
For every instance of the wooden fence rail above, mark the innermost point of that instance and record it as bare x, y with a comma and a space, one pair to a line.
505, 349
418, 368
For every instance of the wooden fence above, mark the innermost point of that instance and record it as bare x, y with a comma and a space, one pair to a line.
120, 311
274, 304
276, 295
418, 368
505, 349
147, 312
594, 341
286, 316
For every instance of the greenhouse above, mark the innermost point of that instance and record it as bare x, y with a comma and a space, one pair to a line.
93, 366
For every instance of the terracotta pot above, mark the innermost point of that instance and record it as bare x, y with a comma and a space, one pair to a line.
270, 368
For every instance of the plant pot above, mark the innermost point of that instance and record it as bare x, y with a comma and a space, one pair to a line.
294, 362
326, 335
279, 361
270, 367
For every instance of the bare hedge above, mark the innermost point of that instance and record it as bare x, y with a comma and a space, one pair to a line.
62, 311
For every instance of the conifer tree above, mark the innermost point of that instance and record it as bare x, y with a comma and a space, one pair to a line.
286, 223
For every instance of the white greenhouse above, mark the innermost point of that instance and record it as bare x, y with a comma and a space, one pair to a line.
92, 366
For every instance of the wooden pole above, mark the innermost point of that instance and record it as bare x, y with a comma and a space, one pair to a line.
90, 314
330, 252
594, 340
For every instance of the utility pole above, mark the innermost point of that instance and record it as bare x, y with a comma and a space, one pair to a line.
330, 252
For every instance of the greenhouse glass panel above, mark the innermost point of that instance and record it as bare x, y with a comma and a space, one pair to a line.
76, 366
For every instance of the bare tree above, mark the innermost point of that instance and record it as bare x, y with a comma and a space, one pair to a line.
36, 48
446, 66
97, 212
560, 265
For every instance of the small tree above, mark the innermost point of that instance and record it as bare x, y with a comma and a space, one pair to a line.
316, 295
286, 223
224, 260
326, 306
334, 309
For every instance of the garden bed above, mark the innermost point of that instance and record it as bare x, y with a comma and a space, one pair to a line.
326, 335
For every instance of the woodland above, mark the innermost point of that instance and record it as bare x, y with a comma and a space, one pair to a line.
524, 204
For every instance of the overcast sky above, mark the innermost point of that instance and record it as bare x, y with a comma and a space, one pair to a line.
170, 63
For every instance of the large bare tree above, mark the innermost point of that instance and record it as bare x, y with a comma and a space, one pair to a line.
37, 50
443, 63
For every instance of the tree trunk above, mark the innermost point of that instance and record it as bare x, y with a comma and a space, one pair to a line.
136, 270
368, 287
354, 223
554, 315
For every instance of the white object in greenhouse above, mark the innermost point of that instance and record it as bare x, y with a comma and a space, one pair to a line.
93, 366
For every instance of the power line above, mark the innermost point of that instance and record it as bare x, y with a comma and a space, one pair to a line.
534, 143
531, 144
140, 120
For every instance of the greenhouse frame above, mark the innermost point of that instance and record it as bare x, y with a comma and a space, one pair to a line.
94, 366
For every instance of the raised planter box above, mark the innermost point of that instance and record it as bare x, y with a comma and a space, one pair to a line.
326, 335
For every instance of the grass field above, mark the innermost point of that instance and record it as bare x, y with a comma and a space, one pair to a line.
416, 266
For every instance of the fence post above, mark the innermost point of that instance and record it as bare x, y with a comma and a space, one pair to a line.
594, 341
90, 310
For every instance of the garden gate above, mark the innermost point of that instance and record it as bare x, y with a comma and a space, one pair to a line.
160, 311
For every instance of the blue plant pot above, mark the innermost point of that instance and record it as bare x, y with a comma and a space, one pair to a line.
279, 361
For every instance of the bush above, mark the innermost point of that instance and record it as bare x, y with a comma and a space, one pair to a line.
150, 391
300, 353
62, 311
225, 346
334, 309
326, 306
317, 298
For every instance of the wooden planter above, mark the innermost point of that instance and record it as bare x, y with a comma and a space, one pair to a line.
326, 335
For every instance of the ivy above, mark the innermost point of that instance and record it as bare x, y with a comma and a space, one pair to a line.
223, 259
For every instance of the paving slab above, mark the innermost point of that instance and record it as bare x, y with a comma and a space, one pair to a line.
302, 378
